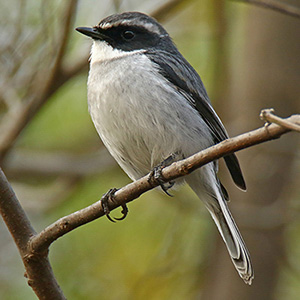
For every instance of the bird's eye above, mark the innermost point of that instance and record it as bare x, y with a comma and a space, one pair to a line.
128, 35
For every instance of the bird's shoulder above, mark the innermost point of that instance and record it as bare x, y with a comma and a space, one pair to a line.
178, 72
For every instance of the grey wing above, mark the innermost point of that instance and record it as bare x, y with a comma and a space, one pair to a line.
186, 80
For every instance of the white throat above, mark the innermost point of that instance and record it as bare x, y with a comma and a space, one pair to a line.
101, 52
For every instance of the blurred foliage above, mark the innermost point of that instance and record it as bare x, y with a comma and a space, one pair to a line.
160, 250
63, 123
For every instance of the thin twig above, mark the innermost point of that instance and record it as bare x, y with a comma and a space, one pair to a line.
161, 12
66, 29
52, 83
178, 169
268, 116
279, 6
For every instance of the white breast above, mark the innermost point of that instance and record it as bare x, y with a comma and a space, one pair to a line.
140, 118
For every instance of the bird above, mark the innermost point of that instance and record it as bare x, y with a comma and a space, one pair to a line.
150, 108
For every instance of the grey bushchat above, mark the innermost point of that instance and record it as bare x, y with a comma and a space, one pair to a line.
149, 106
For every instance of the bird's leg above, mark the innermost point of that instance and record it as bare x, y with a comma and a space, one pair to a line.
104, 203
156, 174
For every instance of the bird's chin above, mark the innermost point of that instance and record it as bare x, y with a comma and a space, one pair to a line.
102, 52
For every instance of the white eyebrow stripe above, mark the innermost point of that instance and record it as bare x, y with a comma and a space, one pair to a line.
149, 26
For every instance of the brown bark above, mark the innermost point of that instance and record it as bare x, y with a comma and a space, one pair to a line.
266, 75
39, 273
130, 192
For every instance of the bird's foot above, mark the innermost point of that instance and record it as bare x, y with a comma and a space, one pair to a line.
109, 196
156, 174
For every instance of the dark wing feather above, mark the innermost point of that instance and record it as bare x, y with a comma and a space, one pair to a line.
187, 81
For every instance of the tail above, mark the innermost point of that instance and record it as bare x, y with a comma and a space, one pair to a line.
234, 242
206, 186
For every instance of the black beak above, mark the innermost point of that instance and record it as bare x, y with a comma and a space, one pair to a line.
91, 32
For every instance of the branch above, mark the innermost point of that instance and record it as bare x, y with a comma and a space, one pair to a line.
34, 247
43, 240
38, 269
279, 6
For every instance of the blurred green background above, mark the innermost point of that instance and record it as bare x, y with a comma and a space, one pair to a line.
167, 248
